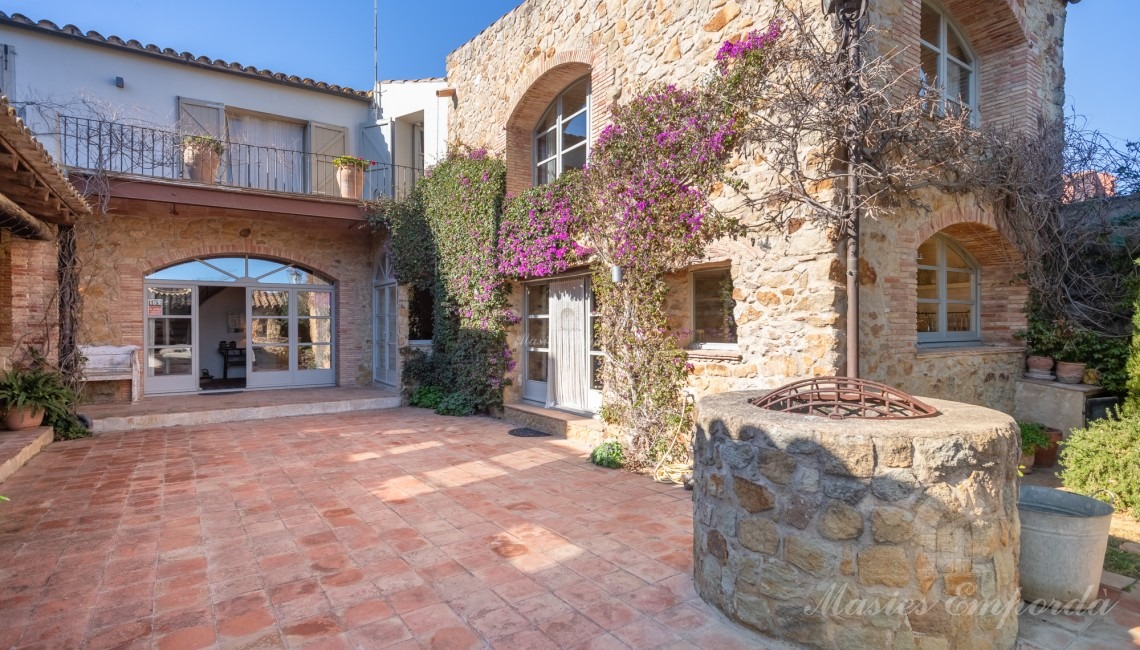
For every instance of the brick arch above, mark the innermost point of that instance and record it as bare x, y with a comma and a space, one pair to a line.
998, 33
1003, 292
170, 258
541, 82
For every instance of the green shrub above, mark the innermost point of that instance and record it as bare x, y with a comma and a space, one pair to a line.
427, 397
456, 404
607, 454
1105, 456
1033, 437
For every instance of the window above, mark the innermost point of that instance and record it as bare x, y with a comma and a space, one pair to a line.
419, 314
561, 139
947, 63
713, 322
947, 293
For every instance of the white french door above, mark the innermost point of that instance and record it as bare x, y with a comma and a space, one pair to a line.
171, 339
290, 340
560, 368
385, 322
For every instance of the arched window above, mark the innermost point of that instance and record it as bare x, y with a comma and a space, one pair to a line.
561, 139
947, 293
947, 62
243, 268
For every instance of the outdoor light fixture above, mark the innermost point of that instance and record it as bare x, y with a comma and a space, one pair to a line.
615, 273
294, 276
119, 83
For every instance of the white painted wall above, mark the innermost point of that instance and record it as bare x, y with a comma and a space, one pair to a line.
401, 101
77, 77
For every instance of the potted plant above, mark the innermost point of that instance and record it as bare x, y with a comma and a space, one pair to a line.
1041, 344
1070, 364
202, 154
350, 175
1046, 455
1033, 437
28, 394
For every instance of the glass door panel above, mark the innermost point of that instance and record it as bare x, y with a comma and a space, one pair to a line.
314, 337
536, 343
170, 345
271, 350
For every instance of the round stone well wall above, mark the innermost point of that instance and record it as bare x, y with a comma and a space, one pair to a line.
859, 533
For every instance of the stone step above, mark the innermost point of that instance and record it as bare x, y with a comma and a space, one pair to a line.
189, 410
18, 447
582, 429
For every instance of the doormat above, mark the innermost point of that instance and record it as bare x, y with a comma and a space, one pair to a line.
220, 391
527, 432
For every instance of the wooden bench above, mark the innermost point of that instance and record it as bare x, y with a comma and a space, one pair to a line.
114, 363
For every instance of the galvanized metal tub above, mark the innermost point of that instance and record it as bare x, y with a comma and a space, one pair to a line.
1063, 540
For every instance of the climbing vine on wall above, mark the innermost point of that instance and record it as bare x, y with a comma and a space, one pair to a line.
445, 237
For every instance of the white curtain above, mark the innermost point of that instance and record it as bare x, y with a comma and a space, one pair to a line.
266, 154
569, 375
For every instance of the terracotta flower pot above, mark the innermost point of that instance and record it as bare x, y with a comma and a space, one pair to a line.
1047, 456
350, 178
23, 418
201, 163
1026, 463
1070, 373
1040, 364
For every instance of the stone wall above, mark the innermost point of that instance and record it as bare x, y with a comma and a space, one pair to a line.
28, 292
804, 524
507, 76
789, 286
134, 238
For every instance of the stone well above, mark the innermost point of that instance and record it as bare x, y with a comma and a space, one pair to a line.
859, 533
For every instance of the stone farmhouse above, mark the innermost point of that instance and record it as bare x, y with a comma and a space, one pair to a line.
940, 297
267, 254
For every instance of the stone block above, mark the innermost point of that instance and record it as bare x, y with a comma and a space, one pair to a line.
894, 452
809, 555
925, 572
845, 489
776, 465
758, 534
884, 565
716, 546
807, 480
737, 455
800, 510
752, 497
891, 525
848, 454
894, 484
753, 610
840, 521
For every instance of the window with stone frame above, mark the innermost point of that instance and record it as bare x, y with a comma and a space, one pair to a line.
947, 292
947, 62
714, 323
420, 307
561, 139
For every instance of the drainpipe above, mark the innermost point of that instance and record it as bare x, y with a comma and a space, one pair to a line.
850, 28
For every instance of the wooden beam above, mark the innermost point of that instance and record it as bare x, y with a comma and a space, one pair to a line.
22, 224
9, 161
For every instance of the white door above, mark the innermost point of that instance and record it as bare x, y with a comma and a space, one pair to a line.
171, 339
291, 337
385, 321
270, 353
568, 370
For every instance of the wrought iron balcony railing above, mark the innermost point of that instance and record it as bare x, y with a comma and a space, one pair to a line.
119, 148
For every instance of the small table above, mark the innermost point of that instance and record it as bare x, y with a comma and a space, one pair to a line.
231, 357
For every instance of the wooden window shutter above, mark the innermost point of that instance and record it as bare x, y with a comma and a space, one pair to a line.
198, 117
8, 71
325, 142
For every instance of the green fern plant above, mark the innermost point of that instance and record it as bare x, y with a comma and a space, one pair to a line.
608, 454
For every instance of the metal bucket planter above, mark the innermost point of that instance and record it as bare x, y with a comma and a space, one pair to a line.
1063, 540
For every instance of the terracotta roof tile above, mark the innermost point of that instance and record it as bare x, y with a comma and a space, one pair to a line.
33, 158
71, 31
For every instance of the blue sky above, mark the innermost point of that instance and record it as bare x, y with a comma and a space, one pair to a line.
332, 41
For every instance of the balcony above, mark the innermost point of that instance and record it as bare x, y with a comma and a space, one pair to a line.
145, 152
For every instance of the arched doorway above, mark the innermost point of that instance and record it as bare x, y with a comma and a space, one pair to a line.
232, 322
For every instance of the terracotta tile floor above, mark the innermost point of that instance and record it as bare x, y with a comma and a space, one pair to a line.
393, 528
